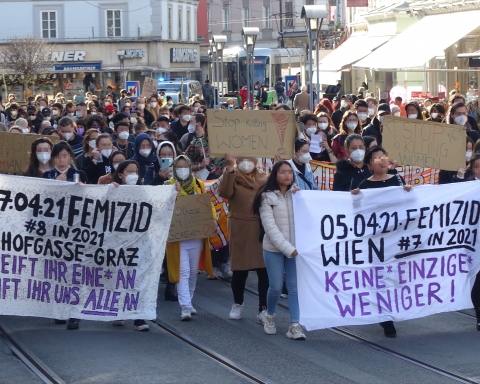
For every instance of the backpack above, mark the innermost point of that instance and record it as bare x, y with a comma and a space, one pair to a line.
279, 88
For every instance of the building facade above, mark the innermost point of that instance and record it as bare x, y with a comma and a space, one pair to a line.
107, 41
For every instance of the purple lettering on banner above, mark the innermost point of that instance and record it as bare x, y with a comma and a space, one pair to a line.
131, 302
433, 288
15, 292
107, 300
367, 278
462, 262
36, 290
401, 272
328, 281
5, 286
113, 307
75, 274
451, 266
74, 292
430, 274
418, 295
364, 304
92, 299
406, 288
21, 266
387, 303
33, 260
452, 291
131, 279
5, 263
94, 313
378, 278
345, 280
347, 308
46, 291
98, 277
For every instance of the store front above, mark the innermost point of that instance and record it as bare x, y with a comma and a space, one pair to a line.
76, 66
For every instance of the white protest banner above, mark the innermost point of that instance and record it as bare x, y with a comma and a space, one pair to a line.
83, 251
385, 254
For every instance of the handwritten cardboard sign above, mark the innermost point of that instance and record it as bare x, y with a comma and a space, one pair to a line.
424, 144
150, 86
248, 133
15, 151
192, 218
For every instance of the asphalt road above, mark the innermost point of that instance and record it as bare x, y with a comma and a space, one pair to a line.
102, 353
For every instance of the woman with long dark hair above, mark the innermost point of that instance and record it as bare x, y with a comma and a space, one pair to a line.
350, 125
116, 158
273, 203
64, 164
40, 158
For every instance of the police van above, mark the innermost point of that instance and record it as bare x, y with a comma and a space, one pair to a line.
179, 90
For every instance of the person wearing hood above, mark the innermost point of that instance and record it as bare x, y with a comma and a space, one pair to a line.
375, 128
163, 167
413, 111
185, 258
239, 184
458, 115
350, 125
300, 163
145, 157
98, 164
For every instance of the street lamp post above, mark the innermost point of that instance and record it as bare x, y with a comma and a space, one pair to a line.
250, 37
121, 57
214, 69
219, 41
312, 15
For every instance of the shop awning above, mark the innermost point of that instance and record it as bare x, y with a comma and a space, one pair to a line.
353, 49
424, 40
329, 78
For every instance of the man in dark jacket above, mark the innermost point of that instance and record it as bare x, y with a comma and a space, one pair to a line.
208, 94
180, 127
375, 128
348, 176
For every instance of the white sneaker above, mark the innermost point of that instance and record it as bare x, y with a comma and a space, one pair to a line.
226, 272
284, 296
216, 273
269, 326
261, 317
295, 332
193, 311
236, 312
118, 323
186, 314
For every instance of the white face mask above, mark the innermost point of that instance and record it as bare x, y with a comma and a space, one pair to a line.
161, 97
246, 166
381, 118
153, 104
123, 135
461, 120
67, 135
70, 114
92, 144
78, 114
13, 113
115, 166
305, 158
311, 131
397, 114
434, 115
106, 103
351, 125
33, 117
145, 152
141, 106
323, 126
412, 116
43, 157
468, 155
343, 104
106, 152
371, 111
25, 130
186, 117
362, 116
191, 128
183, 173
131, 179
161, 130
195, 109
54, 112
357, 155
127, 104
170, 102
133, 120
55, 126
93, 113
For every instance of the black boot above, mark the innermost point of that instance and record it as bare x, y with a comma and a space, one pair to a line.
171, 292
388, 329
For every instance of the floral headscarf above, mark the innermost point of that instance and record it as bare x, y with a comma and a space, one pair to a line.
188, 184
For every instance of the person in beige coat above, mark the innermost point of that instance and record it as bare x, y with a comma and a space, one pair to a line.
274, 204
301, 101
239, 184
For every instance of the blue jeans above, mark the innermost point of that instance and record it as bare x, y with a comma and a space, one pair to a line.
277, 264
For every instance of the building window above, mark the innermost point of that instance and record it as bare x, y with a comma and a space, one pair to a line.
170, 21
189, 37
309, 2
49, 24
226, 17
180, 24
246, 17
266, 17
114, 23
288, 14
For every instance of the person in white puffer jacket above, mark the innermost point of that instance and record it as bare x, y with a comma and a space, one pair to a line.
275, 206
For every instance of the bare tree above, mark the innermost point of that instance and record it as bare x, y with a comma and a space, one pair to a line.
26, 56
